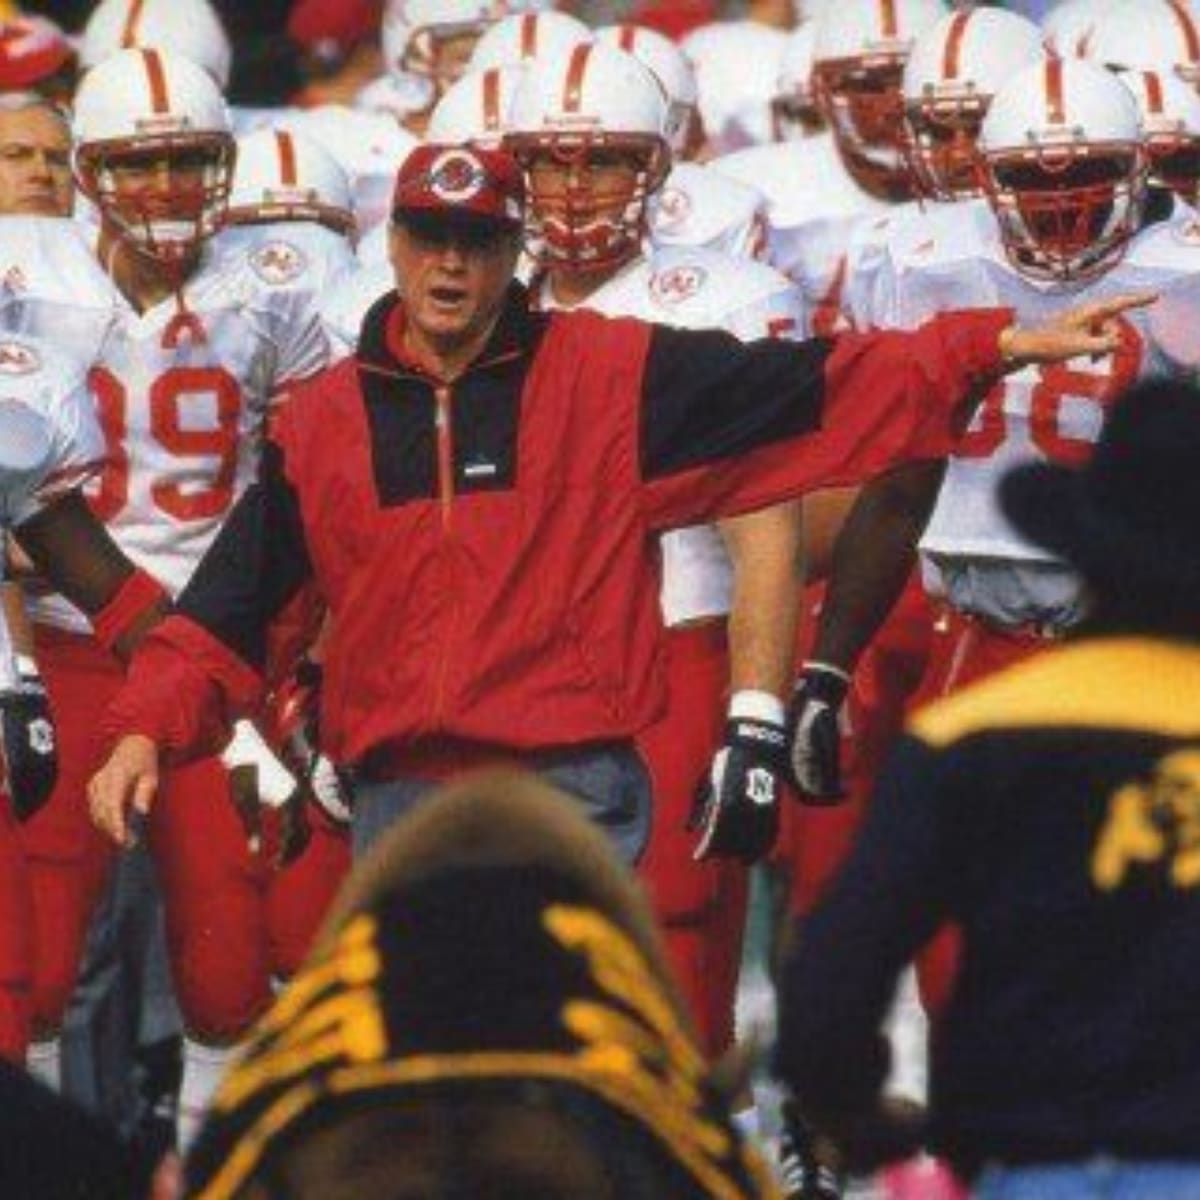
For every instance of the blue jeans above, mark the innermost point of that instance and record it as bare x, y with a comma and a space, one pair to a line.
611, 784
1093, 1179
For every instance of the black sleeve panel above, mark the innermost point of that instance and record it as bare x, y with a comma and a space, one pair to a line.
707, 396
256, 565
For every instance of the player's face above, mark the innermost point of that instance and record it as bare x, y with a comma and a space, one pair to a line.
451, 276
35, 164
160, 183
587, 202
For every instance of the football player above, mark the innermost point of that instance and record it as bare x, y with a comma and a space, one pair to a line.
590, 131
190, 339
50, 444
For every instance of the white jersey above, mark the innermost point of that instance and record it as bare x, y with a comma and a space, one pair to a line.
954, 259
814, 207
737, 71
50, 441
698, 289
182, 395
698, 206
345, 305
328, 255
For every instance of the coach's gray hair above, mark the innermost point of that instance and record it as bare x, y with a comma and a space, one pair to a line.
21, 101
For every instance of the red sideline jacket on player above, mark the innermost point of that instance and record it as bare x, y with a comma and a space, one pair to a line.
487, 549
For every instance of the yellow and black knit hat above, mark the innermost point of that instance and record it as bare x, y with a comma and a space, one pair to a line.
490, 944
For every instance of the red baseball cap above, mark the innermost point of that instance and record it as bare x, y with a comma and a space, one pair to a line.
32, 49
460, 179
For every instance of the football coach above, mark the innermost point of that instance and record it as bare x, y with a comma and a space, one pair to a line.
477, 493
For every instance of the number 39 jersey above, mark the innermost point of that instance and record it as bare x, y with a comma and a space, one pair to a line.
1054, 413
181, 391
695, 288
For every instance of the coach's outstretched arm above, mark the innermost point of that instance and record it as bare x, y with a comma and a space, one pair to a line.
722, 427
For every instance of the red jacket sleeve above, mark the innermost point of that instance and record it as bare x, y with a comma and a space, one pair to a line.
727, 427
184, 690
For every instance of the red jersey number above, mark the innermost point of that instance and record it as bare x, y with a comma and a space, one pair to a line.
1056, 383
167, 393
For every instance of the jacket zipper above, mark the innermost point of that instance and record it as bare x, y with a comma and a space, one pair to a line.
445, 453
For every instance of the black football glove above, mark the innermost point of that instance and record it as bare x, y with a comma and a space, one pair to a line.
737, 805
28, 742
267, 797
815, 720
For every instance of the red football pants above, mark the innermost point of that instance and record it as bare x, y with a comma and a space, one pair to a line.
815, 840
233, 922
16, 940
701, 906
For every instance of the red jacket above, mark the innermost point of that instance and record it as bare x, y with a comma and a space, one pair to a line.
488, 550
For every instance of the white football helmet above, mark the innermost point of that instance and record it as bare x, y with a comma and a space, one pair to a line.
1064, 168
673, 71
1170, 128
476, 108
953, 72
859, 51
1155, 35
524, 36
590, 133
432, 39
282, 176
188, 27
794, 111
1067, 27
134, 112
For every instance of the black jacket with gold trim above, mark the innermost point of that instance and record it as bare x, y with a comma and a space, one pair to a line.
1053, 813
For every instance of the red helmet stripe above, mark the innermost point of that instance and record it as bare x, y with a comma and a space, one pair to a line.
627, 37
1055, 112
287, 157
1188, 28
156, 77
529, 38
954, 41
491, 100
1154, 95
133, 19
573, 86
889, 25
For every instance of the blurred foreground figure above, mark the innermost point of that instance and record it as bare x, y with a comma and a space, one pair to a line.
487, 1013
1051, 812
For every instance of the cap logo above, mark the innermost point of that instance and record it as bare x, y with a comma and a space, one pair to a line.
456, 177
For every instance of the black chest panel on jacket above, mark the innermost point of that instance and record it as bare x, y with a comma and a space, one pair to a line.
484, 409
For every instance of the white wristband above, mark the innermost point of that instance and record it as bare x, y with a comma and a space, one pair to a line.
829, 669
757, 706
26, 666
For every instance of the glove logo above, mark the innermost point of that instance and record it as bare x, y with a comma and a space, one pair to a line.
760, 785
41, 736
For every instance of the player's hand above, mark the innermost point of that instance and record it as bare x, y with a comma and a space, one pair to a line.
266, 795
815, 722
27, 741
121, 792
737, 805
1090, 329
